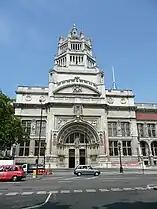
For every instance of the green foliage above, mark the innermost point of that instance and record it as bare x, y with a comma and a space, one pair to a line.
11, 130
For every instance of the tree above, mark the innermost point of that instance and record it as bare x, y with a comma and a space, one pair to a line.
11, 129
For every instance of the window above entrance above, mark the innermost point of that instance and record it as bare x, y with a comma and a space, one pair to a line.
81, 138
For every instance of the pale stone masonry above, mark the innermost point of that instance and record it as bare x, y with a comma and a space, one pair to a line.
82, 122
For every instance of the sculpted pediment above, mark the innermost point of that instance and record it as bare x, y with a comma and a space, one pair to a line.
77, 89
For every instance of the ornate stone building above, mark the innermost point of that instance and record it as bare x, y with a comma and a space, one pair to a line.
82, 121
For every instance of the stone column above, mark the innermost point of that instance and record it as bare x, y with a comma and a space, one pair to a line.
134, 134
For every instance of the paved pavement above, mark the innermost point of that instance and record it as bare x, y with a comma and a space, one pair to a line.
80, 192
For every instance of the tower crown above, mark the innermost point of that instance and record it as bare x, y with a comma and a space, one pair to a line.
75, 50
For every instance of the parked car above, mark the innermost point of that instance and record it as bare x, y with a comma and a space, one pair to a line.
11, 172
86, 170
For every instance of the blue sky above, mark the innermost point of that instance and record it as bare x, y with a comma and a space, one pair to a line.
124, 33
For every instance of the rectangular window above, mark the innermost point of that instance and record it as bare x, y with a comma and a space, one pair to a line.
27, 126
24, 148
125, 127
112, 129
126, 148
39, 147
151, 130
43, 128
140, 128
113, 148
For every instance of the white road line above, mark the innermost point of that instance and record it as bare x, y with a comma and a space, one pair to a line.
27, 193
116, 189
128, 189
141, 188
92, 177
104, 190
42, 192
53, 192
11, 193
77, 191
64, 181
38, 206
1, 193
53, 178
71, 178
65, 191
90, 190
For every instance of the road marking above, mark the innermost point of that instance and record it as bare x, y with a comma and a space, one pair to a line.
92, 177
11, 194
42, 192
71, 178
54, 192
128, 189
38, 206
78, 191
116, 189
27, 193
90, 190
53, 178
65, 191
141, 188
63, 181
1, 193
104, 190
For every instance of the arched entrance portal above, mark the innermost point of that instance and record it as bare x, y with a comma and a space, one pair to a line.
79, 139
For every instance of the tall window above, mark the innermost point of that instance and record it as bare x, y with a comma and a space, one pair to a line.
154, 148
125, 127
113, 148
27, 125
112, 129
140, 127
43, 128
24, 148
39, 147
151, 130
126, 146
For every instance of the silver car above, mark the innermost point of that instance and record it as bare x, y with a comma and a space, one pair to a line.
86, 170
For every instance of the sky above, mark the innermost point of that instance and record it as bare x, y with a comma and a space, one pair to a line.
123, 33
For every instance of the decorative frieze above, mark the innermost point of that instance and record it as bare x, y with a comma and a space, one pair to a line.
92, 121
60, 121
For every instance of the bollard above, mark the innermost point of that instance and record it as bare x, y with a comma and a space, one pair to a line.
34, 174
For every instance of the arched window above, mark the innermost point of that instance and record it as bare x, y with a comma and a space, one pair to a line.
154, 148
71, 138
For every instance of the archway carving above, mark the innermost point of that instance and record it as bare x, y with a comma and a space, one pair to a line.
75, 128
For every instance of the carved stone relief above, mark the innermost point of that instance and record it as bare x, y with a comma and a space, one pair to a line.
92, 121
77, 89
28, 98
42, 98
110, 100
54, 139
123, 101
78, 110
62, 121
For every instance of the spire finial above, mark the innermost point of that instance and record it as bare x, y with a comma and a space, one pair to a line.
74, 25
114, 86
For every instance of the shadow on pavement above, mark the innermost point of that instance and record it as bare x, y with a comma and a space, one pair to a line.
128, 205
118, 205
56, 205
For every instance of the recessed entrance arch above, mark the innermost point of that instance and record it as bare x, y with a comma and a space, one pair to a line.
77, 137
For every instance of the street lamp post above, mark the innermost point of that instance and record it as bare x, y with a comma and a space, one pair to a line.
86, 141
120, 157
41, 115
44, 154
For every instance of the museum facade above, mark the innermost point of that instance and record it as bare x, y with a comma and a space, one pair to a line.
78, 120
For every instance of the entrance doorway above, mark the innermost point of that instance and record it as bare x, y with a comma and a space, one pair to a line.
71, 158
82, 154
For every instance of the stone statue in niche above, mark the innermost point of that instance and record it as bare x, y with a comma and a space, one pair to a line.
101, 138
77, 142
77, 110
54, 139
119, 130
33, 127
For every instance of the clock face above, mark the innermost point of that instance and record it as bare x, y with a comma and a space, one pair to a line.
110, 100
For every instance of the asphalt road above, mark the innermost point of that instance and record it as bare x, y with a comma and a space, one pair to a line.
69, 191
